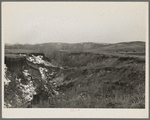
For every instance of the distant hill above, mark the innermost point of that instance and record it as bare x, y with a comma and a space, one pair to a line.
122, 47
136, 46
58, 46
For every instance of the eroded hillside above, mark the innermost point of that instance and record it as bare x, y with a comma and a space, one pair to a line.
74, 79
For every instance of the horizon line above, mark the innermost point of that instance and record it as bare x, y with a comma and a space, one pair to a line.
67, 43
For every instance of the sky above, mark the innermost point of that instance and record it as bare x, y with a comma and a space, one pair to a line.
74, 22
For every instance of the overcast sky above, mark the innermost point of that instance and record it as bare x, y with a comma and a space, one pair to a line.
104, 22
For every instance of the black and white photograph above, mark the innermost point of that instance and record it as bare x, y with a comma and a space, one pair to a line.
75, 57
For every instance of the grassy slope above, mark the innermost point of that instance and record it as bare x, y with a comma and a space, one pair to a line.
102, 78
106, 79
101, 81
131, 47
